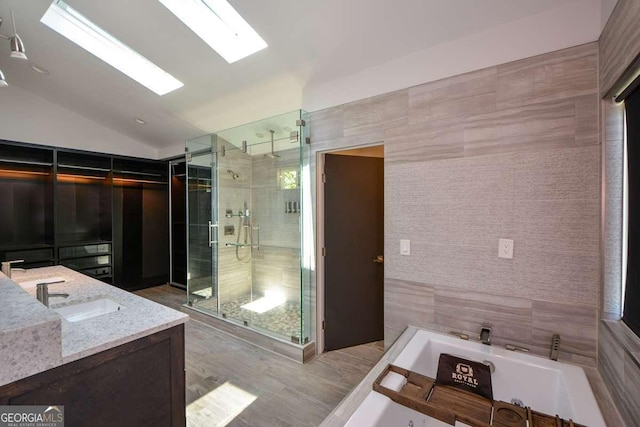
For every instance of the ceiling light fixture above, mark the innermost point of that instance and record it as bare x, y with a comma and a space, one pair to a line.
139, 121
68, 22
38, 69
17, 47
219, 25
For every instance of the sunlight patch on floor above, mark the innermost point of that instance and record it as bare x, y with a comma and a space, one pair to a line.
269, 301
219, 407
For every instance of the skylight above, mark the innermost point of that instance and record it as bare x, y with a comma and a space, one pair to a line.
68, 22
219, 25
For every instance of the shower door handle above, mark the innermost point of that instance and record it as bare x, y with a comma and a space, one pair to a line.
210, 229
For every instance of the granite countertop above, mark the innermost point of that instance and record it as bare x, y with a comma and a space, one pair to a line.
29, 331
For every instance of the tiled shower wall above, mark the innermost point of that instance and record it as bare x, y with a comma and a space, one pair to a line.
511, 151
276, 265
619, 347
234, 276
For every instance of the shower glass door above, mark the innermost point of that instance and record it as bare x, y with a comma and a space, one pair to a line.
202, 231
236, 234
250, 227
259, 197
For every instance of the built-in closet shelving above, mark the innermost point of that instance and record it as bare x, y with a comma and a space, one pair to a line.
103, 215
26, 205
83, 213
141, 217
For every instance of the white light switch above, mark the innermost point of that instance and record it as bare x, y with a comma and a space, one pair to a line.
505, 248
405, 247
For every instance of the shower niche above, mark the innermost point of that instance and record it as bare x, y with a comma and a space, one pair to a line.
250, 238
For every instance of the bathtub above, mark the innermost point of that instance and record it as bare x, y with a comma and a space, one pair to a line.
544, 385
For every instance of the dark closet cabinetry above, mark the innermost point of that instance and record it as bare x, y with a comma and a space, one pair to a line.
26, 205
83, 213
141, 222
105, 216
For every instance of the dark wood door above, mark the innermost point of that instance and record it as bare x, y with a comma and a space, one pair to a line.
354, 238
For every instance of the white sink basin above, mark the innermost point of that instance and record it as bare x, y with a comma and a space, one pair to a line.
88, 310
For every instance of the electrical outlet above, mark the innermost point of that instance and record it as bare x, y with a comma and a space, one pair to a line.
405, 247
505, 248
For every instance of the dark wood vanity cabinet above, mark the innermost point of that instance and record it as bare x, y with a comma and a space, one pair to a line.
137, 384
103, 215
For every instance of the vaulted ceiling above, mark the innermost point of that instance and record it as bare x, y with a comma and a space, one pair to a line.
310, 42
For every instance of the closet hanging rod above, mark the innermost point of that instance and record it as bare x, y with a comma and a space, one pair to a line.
26, 162
136, 173
88, 168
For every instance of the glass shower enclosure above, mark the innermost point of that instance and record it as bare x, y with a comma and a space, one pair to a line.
250, 239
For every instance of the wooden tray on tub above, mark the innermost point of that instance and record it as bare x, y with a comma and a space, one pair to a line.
449, 404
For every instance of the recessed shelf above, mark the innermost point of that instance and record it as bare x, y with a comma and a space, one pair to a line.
240, 245
26, 247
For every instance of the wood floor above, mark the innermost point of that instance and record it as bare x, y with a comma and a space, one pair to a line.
231, 382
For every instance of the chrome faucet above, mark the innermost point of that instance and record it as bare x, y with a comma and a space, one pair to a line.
460, 335
485, 335
6, 267
512, 347
555, 347
43, 295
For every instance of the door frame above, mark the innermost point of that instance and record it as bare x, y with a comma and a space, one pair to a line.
174, 161
320, 276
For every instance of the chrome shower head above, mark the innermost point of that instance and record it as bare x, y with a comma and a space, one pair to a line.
233, 174
272, 154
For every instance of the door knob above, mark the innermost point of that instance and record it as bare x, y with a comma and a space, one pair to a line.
379, 259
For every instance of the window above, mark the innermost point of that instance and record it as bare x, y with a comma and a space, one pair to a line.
287, 178
68, 22
631, 313
219, 25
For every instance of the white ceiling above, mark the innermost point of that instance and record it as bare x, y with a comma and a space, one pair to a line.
310, 42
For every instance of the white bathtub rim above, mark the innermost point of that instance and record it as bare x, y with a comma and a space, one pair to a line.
583, 399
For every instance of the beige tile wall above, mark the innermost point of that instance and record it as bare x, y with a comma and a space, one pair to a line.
234, 276
619, 43
511, 151
277, 263
619, 351
618, 347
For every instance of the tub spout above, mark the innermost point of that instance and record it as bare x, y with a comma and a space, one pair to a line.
485, 335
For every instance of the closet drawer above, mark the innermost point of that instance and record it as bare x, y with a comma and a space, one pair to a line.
87, 262
84, 250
